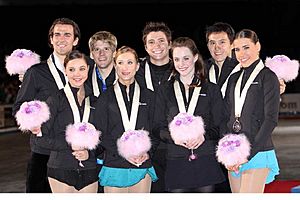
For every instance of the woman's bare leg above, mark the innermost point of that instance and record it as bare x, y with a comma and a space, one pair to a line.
60, 187
108, 189
253, 180
235, 183
91, 188
144, 186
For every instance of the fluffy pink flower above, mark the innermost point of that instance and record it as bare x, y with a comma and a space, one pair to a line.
283, 67
186, 127
83, 135
233, 149
20, 60
32, 114
133, 143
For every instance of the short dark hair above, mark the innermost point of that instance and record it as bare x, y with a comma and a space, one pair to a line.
156, 27
219, 27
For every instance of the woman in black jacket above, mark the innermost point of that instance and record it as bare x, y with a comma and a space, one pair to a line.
74, 103
252, 107
126, 106
182, 173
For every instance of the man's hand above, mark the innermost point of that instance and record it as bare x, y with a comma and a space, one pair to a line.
282, 86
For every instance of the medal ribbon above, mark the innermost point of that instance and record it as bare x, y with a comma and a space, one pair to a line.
75, 111
239, 98
129, 124
180, 102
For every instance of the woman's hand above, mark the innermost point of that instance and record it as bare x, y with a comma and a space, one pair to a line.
141, 159
76, 148
81, 155
236, 167
191, 144
35, 130
138, 160
181, 143
195, 143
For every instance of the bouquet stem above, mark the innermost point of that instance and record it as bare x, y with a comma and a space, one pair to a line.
80, 164
192, 155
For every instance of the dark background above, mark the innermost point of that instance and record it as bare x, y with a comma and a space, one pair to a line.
25, 23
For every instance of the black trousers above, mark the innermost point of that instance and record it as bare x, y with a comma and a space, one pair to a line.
204, 189
223, 187
159, 164
37, 180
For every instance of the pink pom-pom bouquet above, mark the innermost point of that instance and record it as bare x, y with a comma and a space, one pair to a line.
185, 127
283, 67
83, 135
133, 143
32, 114
233, 149
20, 60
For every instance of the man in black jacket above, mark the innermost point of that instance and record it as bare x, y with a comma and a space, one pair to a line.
102, 45
155, 69
40, 81
220, 66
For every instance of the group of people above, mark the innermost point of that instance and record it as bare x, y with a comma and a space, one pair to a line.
116, 90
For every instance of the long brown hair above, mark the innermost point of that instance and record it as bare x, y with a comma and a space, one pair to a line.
199, 64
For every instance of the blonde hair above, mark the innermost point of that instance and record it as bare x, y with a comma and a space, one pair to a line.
125, 49
104, 36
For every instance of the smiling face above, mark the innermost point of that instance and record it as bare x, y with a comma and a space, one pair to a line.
77, 72
246, 51
102, 54
184, 61
219, 46
157, 46
126, 67
63, 39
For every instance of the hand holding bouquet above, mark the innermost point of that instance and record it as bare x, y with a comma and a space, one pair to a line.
134, 144
283, 67
20, 60
32, 115
82, 135
233, 149
185, 128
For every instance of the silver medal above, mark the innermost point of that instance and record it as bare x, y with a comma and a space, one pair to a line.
237, 126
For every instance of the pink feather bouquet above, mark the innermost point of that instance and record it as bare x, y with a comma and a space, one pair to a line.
20, 60
83, 135
233, 149
283, 67
186, 127
32, 114
133, 143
